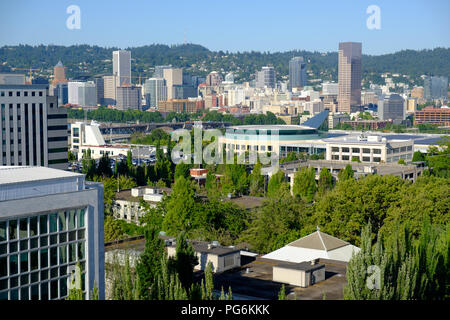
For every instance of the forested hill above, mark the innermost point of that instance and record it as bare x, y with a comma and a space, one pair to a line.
88, 61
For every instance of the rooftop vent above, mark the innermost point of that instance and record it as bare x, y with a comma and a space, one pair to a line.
215, 243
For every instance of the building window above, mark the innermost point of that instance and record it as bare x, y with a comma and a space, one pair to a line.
40, 93
334, 149
355, 150
366, 159
25, 93
18, 93
33, 93
377, 151
377, 159
335, 157
35, 255
344, 149
345, 158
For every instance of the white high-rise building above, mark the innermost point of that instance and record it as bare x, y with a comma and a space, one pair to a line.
122, 66
50, 220
33, 129
330, 88
82, 93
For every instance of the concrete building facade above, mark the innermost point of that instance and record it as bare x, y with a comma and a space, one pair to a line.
33, 127
122, 67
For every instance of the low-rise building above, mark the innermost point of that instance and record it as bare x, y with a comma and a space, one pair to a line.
222, 258
303, 274
430, 115
369, 149
127, 203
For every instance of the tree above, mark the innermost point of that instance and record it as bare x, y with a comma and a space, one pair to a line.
346, 173
402, 162
282, 293
439, 158
277, 186
277, 223
104, 167
430, 194
256, 181
149, 263
113, 231
344, 210
325, 181
305, 184
418, 156
399, 268
185, 261
180, 207
182, 170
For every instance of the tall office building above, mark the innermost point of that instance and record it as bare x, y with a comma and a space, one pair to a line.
109, 93
297, 73
59, 72
49, 220
265, 78
173, 77
391, 107
33, 127
435, 88
100, 87
349, 76
213, 79
82, 93
122, 66
62, 92
128, 97
330, 88
159, 71
155, 91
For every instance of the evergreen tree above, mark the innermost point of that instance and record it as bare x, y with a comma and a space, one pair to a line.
325, 180
148, 265
305, 184
282, 293
185, 261
257, 181
346, 173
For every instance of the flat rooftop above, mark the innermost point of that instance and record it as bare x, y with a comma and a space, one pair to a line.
258, 284
272, 127
20, 174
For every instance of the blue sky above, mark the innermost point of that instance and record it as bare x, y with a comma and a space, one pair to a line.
243, 25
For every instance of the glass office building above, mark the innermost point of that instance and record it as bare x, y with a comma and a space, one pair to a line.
50, 220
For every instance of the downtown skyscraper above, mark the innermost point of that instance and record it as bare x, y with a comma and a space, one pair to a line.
122, 67
297, 73
349, 76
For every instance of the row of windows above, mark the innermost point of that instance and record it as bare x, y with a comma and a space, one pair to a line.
356, 150
248, 147
354, 158
54, 289
14, 229
43, 241
25, 93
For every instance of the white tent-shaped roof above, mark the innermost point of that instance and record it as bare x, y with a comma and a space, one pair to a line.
314, 246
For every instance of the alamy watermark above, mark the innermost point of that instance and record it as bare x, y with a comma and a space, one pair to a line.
374, 20
74, 20
373, 281
210, 146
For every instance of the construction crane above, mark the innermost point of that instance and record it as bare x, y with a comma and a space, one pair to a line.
30, 71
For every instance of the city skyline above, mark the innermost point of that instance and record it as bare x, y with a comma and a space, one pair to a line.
171, 25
